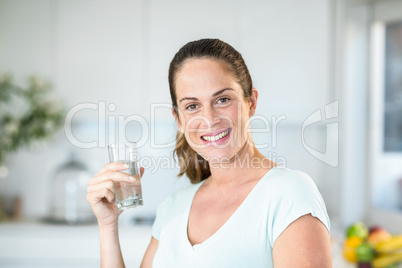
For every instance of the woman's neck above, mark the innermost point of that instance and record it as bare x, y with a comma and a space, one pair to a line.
247, 164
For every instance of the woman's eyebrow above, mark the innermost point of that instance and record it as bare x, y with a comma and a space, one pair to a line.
214, 95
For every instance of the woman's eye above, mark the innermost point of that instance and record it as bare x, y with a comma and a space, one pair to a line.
191, 107
223, 100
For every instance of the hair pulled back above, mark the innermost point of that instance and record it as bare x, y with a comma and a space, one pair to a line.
191, 163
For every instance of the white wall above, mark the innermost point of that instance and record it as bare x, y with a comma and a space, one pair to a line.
119, 52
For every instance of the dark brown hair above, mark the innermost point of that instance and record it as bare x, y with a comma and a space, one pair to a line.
192, 164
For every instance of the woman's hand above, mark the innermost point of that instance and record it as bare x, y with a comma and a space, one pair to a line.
101, 192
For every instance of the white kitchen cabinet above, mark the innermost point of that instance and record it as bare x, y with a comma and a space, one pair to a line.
286, 45
97, 53
119, 51
25, 39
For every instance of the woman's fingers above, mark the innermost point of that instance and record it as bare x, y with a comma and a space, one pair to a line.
114, 166
96, 196
105, 184
111, 175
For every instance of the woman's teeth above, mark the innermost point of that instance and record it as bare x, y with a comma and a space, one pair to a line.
217, 137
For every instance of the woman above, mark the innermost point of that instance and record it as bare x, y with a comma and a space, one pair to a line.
242, 210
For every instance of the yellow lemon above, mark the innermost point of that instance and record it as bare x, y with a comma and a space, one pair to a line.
349, 248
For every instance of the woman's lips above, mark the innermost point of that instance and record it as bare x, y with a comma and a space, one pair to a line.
214, 134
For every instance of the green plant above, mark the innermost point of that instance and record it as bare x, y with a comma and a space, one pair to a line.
26, 114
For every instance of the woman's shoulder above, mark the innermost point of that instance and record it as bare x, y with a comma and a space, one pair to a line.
290, 194
182, 195
282, 181
283, 176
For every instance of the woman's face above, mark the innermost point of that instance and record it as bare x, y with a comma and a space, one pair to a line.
213, 113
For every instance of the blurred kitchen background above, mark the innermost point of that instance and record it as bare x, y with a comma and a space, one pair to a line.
329, 75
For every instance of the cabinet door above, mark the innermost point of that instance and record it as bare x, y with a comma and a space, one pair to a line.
386, 115
98, 53
287, 46
24, 39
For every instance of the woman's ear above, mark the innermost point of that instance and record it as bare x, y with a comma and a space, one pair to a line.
177, 120
253, 102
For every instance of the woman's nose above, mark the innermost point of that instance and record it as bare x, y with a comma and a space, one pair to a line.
211, 117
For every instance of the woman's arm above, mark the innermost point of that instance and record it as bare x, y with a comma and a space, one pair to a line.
304, 243
110, 247
150, 253
101, 197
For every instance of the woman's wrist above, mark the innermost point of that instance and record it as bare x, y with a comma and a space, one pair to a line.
108, 227
107, 222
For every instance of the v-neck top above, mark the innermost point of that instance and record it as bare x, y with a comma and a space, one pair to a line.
246, 239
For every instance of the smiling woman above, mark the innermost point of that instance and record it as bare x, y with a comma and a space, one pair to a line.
242, 210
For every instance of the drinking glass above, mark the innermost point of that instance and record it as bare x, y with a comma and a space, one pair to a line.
128, 194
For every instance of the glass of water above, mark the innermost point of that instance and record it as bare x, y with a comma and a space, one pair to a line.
128, 194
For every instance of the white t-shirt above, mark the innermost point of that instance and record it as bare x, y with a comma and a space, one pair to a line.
247, 238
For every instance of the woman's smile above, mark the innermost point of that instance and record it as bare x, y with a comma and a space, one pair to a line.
217, 137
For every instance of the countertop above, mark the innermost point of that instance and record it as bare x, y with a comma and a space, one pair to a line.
47, 245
